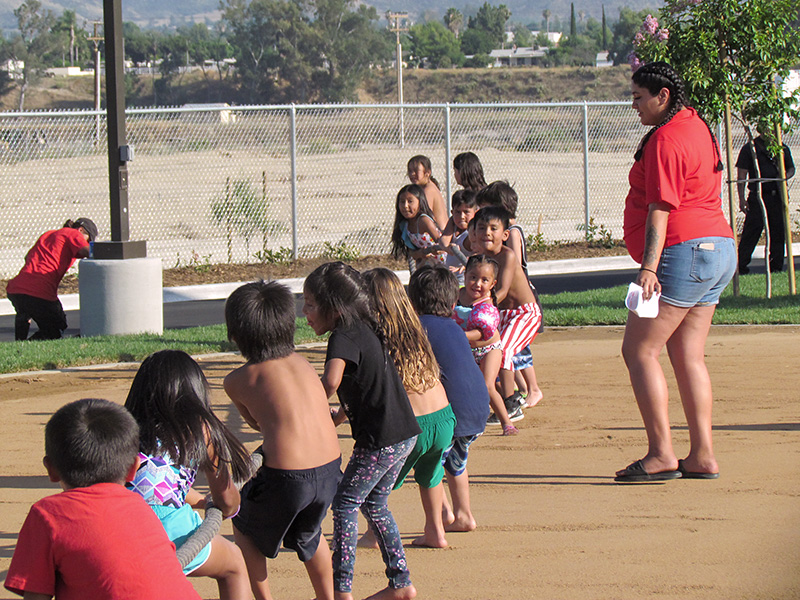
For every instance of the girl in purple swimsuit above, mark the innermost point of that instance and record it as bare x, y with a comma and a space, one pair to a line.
478, 316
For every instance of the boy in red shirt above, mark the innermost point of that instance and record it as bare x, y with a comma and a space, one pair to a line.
95, 540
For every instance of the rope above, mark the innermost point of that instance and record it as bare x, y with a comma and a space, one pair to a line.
209, 528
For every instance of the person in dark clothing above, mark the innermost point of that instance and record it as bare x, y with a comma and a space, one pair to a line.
770, 193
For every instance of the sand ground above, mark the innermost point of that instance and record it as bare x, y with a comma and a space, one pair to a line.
552, 524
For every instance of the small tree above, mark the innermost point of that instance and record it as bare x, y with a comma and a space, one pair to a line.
732, 54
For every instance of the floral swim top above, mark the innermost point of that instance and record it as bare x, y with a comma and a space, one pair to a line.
418, 241
160, 482
482, 315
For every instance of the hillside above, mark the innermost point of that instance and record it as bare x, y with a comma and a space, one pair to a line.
526, 84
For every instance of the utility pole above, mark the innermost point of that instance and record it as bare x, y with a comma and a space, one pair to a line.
398, 22
96, 39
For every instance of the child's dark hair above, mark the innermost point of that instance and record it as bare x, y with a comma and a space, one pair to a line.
470, 171
499, 193
433, 290
169, 398
654, 77
340, 294
423, 160
260, 317
465, 198
88, 226
399, 247
492, 213
91, 441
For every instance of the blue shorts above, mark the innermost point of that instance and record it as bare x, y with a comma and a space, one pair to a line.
180, 524
695, 272
523, 359
455, 457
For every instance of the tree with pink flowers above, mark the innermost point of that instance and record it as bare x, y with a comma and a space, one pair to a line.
732, 54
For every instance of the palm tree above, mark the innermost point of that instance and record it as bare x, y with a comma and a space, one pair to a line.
546, 14
454, 20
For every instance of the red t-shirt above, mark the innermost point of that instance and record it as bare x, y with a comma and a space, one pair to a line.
46, 263
676, 167
96, 543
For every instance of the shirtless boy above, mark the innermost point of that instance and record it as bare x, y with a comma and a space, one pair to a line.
520, 316
278, 393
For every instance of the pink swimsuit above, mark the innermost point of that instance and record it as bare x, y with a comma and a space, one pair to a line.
484, 316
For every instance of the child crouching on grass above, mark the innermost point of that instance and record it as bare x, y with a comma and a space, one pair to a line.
279, 394
433, 292
95, 539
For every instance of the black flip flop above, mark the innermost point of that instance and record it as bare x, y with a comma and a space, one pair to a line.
635, 473
695, 474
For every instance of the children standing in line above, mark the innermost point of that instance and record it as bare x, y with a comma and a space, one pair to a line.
520, 316
95, 539
415, 233
279, 394
408, 345
433, 292
359, 368
500, 193
478, 316
420, 173
179, 434
468, 171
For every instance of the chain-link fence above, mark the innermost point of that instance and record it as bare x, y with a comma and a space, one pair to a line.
248, 184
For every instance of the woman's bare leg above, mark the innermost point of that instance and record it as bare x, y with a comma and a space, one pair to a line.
686, 350
641, 346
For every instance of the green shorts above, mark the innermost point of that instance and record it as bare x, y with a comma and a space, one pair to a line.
426, 457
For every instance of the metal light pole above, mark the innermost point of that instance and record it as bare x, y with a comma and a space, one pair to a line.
96, 39
398, 22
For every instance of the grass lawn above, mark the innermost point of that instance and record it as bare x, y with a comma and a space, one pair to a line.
594, 307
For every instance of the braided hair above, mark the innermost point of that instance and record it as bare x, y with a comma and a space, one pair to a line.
654, 77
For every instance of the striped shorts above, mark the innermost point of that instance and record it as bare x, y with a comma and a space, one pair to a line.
518, 327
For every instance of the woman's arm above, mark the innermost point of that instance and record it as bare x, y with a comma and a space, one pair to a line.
655, 236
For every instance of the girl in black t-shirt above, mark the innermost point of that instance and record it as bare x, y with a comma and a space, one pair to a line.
359, 369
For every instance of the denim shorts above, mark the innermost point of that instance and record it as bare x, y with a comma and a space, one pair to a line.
694, 273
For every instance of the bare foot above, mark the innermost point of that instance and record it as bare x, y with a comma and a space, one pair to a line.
533, 399
368, 540
461, 525
388, 593
447, 515
425, 542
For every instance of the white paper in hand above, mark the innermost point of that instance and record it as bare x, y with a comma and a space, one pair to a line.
646, 309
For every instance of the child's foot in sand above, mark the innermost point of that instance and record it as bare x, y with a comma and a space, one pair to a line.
368, 540
510, 430
532, 399
424, 541
462, 524
388, 593
447, 516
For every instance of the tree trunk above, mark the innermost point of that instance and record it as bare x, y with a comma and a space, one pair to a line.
731, 188
787, 223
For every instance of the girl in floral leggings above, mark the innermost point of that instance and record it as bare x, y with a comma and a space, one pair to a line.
370, 391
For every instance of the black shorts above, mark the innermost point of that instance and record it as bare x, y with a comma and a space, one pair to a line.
280, 506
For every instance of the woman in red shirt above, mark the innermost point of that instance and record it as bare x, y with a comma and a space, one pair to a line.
674, 227
34, 291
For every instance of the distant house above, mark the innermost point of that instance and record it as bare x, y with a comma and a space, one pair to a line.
68, 72
14, 68
517, 57
225, 117
602, 60
553, 37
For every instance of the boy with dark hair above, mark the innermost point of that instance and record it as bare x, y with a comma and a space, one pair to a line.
74, 545
433, 292
520, 314
279, 394
454, 236
500, 193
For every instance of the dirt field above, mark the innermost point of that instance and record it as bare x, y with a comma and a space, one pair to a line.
552, 524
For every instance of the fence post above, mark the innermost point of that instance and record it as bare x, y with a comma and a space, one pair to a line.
293, 151
586, 168
448, 162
